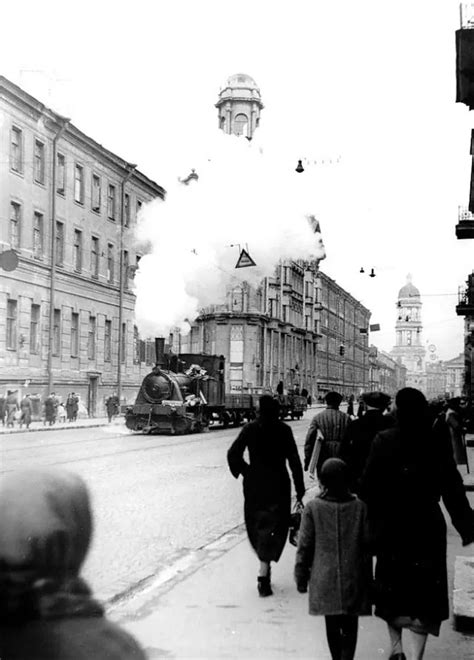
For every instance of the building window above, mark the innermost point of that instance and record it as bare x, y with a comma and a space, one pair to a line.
39, 162
123, 342
15, 225
95, 257
136, 345
38, 235
61, 174
240, 124
108, 341
56, 332
59, 243
91, 338
77, 250
111, 202
138, 208
79, 184
16, 150
237, 343
74, 334
96, 193
34, 328
110, 262
125, 269
126, 210
11, 324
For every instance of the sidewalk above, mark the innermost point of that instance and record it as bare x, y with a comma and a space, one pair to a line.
86, 422
210, 609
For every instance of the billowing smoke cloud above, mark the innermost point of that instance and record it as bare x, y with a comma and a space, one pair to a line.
246, 196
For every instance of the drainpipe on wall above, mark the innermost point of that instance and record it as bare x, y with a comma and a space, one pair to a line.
52, 286
122, 280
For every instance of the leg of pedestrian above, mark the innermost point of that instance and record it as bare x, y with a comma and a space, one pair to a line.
349, 630
417, 644
396, 642
333, 634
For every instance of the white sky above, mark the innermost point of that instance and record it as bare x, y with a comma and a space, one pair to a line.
371, 82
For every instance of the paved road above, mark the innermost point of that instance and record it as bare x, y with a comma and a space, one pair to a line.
156, 498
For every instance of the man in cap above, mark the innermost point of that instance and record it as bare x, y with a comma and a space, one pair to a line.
360, 433
332, 424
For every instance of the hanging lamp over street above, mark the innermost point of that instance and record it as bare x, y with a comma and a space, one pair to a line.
299, 168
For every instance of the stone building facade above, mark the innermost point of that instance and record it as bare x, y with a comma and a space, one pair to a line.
386, 374
67, 207
239, 105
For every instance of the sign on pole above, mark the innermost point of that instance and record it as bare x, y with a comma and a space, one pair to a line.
245, 260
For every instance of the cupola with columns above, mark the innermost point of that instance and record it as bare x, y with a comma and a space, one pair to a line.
239, 106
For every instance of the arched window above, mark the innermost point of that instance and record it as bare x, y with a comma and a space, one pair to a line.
240, 124
223, 122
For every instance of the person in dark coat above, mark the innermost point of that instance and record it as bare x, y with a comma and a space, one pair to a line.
3, 409
266, 483
11, 407
46, 609
50, 409
112, 406
409, 469
360, 433
332, 423
26, 410
454, 422
334, 551
72, 407
350, 406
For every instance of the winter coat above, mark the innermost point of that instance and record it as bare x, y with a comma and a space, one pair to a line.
75, 638
406, 475
358, 440
332, 423
26, 410
334, 556
266, 483
50, 408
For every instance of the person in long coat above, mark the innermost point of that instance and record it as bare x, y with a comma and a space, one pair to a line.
50, 409
361, 432
266, 483
46, 609
72, 405
26, 410
332, 423
409, 469
11, 407
334, 558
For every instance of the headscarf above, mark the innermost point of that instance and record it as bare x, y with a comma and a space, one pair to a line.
45, 532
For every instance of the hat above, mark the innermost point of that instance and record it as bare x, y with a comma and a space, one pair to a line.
376, 400
334, 475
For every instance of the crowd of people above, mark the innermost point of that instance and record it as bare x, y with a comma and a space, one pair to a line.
382, 474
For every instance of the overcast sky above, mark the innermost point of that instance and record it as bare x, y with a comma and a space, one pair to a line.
370, 84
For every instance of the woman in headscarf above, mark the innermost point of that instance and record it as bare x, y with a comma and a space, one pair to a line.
409, 469
46, 610
267, 487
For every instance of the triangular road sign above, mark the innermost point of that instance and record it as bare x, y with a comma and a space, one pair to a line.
245, 260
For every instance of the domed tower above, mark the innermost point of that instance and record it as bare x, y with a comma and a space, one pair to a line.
408, 348
239, 105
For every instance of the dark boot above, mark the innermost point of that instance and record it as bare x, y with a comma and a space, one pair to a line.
264, 586
398, 656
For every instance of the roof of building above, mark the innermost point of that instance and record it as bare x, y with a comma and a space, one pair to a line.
241, 80
409, 290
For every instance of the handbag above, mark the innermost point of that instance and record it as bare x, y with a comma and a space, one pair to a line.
295, 522
315, 455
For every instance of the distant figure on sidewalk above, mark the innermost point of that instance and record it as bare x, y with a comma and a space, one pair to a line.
361, 432
409, 469
332, 423
350, 406
50, 409
72, 406
333, 557
46, 609
26, 410
112, 406
11, 407
3, 409
267, 487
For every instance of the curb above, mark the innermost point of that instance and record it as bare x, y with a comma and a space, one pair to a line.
463, 594
55, 428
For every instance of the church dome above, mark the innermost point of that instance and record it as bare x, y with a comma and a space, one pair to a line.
242, 80
240, 86
408, 291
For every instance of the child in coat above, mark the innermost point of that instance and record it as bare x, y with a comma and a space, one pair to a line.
333, 557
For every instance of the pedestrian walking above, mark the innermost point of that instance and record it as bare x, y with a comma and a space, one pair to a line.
332, 424
266, 484
26, 410
72, 406
409, 469
3, 409
350, 406
454, 422
112, 406
46, 608
50, 409
11, 407
361, 432
334, 558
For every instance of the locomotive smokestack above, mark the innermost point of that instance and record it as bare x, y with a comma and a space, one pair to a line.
160, 351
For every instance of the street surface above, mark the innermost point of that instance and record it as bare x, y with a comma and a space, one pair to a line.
155, 498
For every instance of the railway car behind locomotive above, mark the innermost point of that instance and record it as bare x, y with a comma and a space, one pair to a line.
185, 394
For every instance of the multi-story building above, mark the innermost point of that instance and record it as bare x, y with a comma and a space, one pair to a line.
67, 208
386, 374
465, 307
454, 376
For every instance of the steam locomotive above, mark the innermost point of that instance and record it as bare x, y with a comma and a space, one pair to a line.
185, 393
